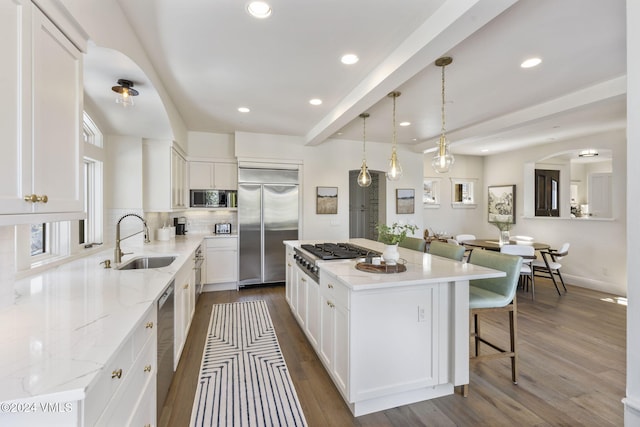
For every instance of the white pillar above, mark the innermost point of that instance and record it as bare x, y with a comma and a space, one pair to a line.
632, 400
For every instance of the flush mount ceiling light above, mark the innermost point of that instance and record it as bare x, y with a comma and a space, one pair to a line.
259, 9
443, 159
126, 91
394, 172
243, 109
590, 152
364, 177
315, 101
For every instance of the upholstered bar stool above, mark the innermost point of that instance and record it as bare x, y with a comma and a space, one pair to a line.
491, 295
447, 250
413, 243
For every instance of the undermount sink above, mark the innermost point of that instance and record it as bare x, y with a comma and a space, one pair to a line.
147, 262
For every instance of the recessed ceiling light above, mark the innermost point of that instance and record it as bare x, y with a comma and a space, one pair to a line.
259, 9
484, 150
243, 109
405, 123
531, 62
349, 59
315, 101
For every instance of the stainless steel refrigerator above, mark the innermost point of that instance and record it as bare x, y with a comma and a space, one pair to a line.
267, 215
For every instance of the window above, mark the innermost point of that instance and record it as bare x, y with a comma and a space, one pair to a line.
90, 132
39, 239
90, 228
431, 192
547, 192
463, 192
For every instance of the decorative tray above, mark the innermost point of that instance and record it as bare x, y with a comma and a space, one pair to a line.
381, 268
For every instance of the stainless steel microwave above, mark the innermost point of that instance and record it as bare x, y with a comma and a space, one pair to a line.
208, 199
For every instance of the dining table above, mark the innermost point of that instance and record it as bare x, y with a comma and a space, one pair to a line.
494, 244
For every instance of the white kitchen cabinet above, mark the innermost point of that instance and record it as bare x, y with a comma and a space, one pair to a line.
41, 116
222, 262
301, 295
125, 392
164, 176
312, 326
184, 306
334, 330
213, 175
290, 272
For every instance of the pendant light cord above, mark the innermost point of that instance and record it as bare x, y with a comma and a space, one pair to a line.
364, 136
395, 95
442, 108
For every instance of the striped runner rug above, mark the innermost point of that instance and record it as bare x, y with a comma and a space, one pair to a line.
243, 379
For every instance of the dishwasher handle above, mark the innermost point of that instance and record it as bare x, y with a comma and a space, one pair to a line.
167, 293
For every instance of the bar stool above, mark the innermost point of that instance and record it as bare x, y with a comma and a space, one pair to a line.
491, 295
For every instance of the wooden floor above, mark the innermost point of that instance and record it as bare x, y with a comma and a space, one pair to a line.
572, 367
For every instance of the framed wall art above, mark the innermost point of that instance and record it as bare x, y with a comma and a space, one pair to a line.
326, 200
502, 204
405, 200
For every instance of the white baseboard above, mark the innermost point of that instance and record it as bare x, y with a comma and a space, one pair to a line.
215, 287
597, 285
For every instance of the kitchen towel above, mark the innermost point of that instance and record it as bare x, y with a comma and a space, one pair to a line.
244, 380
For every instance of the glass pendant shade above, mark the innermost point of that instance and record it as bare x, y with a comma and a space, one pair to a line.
364, 177
125, 92
443, 159
394, 172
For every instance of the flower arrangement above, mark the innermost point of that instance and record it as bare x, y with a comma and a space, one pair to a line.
394, 234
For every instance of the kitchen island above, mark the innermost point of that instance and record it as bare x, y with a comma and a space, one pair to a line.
387, 339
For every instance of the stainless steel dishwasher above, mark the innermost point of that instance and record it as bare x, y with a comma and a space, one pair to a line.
165, 345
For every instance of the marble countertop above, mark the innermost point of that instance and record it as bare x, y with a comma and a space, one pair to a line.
422, 268
66, 323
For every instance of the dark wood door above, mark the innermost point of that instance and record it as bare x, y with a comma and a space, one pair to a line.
547, 192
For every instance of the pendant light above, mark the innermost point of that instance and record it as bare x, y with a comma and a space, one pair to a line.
394, 172
443, 159
364, 177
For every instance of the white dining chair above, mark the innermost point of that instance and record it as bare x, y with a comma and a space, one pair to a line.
461, 238
549, 266
528, 254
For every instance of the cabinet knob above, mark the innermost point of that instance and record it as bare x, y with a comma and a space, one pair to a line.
330, 304
329, 285
185, 286
147, 368
303, 279
149, 325
117, 373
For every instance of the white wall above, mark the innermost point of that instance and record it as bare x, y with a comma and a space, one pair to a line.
211, 146
328, 165
597, 257
445, 218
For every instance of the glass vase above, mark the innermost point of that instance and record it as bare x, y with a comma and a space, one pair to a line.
504, 237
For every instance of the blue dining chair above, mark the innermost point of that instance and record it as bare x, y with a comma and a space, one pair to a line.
491, 295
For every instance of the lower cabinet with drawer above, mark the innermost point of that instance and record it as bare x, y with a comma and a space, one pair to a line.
221, 263
125, 393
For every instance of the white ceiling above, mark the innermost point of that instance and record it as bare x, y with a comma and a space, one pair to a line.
212, 58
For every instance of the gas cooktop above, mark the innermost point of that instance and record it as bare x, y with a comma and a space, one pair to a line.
328, 251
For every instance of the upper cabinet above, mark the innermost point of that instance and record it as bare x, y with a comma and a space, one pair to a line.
213, 175
41, 118
164, 176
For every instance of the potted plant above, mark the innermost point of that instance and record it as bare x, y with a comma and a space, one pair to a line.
391, 236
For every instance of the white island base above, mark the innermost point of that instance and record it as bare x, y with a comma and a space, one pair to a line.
388, 340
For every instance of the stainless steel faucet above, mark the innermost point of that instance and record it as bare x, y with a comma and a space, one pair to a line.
118, 252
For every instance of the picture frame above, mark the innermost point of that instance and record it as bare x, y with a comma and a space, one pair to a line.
502, 204
405, 200
326, 200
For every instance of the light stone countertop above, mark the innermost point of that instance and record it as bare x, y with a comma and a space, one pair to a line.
66, 323
422, 268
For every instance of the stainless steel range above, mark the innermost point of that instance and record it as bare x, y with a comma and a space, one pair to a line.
307, 256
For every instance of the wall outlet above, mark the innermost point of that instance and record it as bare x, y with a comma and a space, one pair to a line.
422, 316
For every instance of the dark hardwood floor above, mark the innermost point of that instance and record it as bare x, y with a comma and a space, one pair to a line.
572, 367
